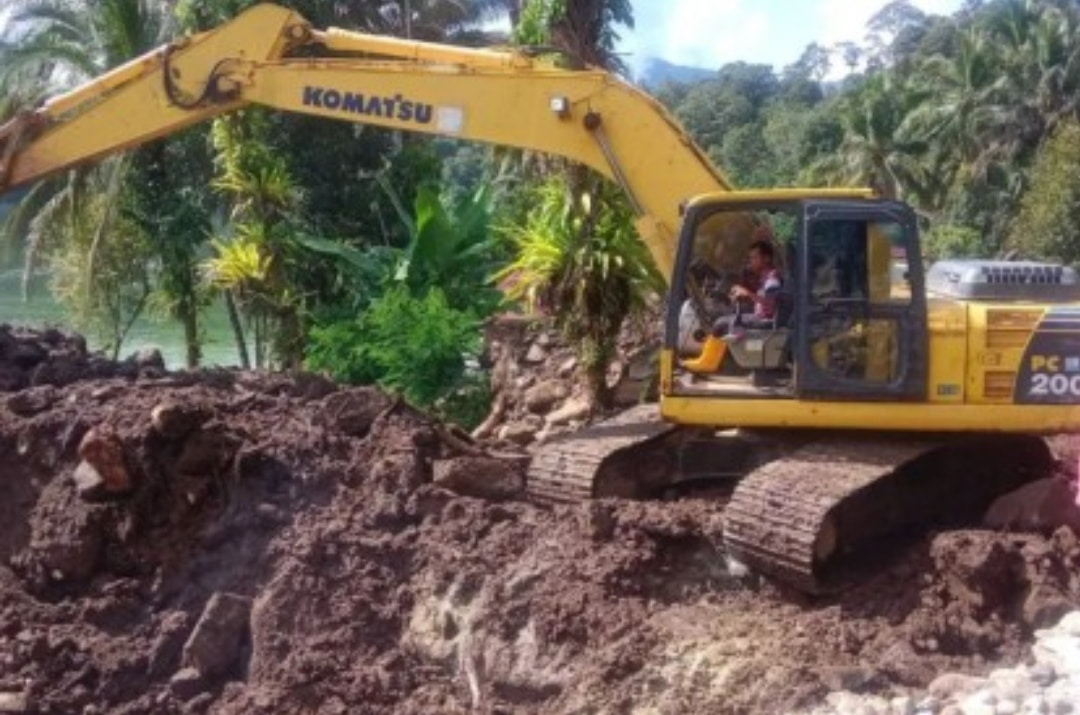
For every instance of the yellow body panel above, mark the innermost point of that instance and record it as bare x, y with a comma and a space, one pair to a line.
892, 416
947, 325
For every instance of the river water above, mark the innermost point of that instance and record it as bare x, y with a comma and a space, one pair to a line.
165, 335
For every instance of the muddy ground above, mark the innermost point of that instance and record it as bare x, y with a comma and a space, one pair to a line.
230, 543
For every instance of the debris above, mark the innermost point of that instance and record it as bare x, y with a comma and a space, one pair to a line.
217, 639
102, 450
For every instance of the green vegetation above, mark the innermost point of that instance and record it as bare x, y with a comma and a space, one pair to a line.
374, 256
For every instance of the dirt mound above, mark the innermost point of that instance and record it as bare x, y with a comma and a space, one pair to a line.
273, 544
33, 358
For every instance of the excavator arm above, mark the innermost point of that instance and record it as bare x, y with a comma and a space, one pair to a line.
272, 57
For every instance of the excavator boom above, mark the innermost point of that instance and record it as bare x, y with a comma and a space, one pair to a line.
503, 98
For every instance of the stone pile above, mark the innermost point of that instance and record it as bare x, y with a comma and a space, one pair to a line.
1048, 684
536, 378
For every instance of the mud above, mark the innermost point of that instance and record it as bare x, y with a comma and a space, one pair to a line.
282, 548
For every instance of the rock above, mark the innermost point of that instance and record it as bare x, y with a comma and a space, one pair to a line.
566, 369
616, 370
482, 477
353, 411
902, 706
187, 683
60, 369
1012, 685
950, 685
850, 678
1070, 624
27, 355
981, 702
543, 339
165, 653
1059, 651
13, 703
310, 386
1044, 606
576, 408
199, 704
206, 452
216, 642
88, 482
32, 401
540, 398
1006, 707
1042, 505
1061, 705
537, 354
600, 520
642, 366
928, 704
102, 449
902, 663
148, 358
176, 421
518, 432
1041, 674
1035, 705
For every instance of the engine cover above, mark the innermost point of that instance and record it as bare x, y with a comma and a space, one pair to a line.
1003, 280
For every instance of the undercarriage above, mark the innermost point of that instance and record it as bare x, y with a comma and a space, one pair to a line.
806, 508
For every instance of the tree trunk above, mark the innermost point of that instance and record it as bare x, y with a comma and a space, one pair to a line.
238, 330
189, 317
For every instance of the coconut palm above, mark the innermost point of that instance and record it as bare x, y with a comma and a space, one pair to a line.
51, 45
879, 148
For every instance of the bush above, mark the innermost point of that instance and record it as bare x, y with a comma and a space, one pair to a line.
416, 347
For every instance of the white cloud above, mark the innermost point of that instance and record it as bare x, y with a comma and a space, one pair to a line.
695, 32
709, 33
846, 20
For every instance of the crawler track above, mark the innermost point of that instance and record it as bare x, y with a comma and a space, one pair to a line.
803, 518
569, 469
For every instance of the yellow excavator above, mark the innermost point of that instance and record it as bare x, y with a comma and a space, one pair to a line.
876, 395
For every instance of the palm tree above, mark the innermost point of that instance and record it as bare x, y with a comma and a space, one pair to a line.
50, 45
963, 89
879, 148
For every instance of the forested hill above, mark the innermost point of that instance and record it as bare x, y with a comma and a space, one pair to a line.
971, 118
654, 72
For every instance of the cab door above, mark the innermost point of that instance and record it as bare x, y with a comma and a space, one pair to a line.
862, 308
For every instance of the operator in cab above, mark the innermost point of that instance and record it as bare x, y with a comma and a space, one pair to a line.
759, 288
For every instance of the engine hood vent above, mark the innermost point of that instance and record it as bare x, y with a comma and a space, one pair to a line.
1003, 280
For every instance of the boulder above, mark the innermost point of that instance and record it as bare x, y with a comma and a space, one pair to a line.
537, 354
13, 703
187, 683
102, 450
483, 477
518, 432
175, 421
30, 402
576, 408
353, 411
219, 637
542, 397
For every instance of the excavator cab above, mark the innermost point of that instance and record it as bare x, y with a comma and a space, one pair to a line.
849, 321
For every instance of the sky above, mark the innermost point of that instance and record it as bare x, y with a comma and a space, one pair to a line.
710, 33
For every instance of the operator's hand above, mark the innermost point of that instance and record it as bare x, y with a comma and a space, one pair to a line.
739, 292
